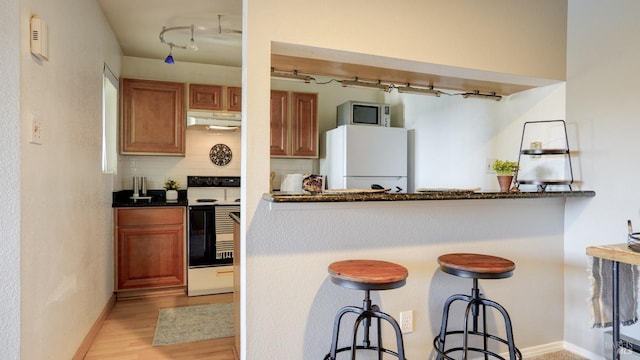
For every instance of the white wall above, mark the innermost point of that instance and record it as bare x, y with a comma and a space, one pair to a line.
421, 31
602, 91
10, 177
66, 228
454, 136
291, 302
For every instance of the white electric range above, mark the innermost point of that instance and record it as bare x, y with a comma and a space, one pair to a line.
210, 233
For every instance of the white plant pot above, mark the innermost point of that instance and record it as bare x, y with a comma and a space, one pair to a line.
172, 195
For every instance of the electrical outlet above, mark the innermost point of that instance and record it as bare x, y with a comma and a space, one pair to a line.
36, 131
489, 166
406, 321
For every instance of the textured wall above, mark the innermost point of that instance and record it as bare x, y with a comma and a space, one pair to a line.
66, 229
10, 178
291, 302
602, 52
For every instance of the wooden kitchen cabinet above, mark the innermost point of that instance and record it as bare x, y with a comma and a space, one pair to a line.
152, 119
234, 98
294, 124
210, 98
279, 122
205, 97
150, 248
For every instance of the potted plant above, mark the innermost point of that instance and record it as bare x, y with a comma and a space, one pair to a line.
172, 187
505, 170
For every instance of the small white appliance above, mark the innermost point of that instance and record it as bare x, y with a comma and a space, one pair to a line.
358, 157
363, 113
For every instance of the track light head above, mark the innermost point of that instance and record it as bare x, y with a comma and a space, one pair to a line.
414, 90
367, 85
169, 58
293, 76
478, 94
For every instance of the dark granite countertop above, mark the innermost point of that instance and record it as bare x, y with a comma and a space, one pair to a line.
122, 198
283, 197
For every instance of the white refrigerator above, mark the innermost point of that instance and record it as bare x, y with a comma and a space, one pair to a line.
358, 156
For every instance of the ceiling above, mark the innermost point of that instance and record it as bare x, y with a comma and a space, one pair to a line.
137, 25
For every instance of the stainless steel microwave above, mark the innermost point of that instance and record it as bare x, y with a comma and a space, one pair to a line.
363, 113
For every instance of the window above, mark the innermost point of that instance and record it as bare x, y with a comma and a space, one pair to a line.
109, 121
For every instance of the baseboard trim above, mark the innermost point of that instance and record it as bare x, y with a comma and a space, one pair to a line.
542, 349
553, 347
581, 351
93, 332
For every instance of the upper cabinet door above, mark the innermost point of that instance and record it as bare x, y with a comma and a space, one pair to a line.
279, 122
205, 97
304, 124
234, 98
152, 119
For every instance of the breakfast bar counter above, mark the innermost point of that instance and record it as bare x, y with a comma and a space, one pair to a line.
346, 196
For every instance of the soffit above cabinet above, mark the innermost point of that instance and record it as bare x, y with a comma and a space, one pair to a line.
346, 65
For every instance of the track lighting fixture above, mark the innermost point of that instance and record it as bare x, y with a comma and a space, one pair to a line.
294, 76
169, 58
193, 29
478, 94
367, 85
414, 90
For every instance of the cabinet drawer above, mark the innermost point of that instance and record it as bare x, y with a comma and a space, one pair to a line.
150, 216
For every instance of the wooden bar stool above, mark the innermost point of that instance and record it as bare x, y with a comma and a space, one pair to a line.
475, 266
366, 275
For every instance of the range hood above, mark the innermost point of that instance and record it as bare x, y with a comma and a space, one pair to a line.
210, 120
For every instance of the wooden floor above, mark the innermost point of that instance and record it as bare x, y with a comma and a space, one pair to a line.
128, 331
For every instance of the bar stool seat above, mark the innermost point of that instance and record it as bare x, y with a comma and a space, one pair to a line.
475, 266
367, 275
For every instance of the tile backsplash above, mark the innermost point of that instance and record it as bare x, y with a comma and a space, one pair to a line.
196, 161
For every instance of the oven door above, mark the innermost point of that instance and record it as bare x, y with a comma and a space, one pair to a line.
202, 245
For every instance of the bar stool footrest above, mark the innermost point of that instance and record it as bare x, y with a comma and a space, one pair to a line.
436, 345
361, 347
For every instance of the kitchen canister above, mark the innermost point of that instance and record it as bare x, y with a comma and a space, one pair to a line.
143, 185
136, 186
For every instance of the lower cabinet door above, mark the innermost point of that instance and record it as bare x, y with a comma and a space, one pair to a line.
150, 256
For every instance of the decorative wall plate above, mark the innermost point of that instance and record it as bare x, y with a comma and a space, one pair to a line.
220, 154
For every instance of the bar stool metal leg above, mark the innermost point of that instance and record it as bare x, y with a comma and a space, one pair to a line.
479, 303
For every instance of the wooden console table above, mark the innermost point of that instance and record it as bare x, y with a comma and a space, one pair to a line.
617, 253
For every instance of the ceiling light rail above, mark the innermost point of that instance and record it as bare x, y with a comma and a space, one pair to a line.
415, 90
191, 44
386, 87
367, 85
478, 94
291, 75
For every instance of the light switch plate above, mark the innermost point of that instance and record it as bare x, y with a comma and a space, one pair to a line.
36, 131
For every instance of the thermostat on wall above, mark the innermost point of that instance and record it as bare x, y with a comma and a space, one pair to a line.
39, 38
